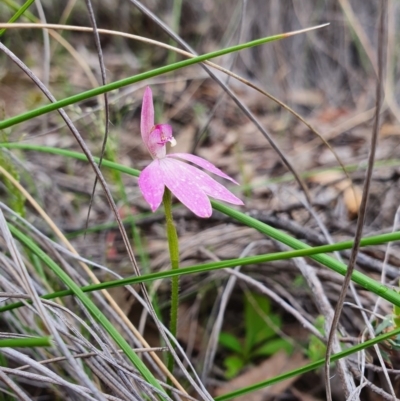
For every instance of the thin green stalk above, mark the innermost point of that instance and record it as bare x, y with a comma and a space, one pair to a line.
333, 264
359, 278
18, 13
136, 78
26, 342
173, 246
91, 307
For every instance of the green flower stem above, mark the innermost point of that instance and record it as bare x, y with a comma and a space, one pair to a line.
131, 80
173, 246
94, 310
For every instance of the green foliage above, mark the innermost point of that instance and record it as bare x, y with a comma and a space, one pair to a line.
388, 324
316, 348
260, 339
3, 361
233, 365
19, 11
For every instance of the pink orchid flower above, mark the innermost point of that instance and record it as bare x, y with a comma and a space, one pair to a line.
189, 184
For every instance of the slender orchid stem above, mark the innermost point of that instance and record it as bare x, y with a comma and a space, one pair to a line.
173, 246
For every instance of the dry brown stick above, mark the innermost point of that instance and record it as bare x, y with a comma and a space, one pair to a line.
364, 201
106, 104
372, 386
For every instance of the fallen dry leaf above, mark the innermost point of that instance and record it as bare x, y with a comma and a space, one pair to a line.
352, 199
351, 194
331, 114
389, 129
309, 98
274, 366
189, 331
123, 298
327, 177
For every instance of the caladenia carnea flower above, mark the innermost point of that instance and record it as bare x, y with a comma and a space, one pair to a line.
189, 184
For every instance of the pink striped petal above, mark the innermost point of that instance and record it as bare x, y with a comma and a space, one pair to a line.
202, 181
180, 182
199, 161
147, 117
152, 185
210, 186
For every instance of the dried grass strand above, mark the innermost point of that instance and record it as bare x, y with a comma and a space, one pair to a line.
90, 273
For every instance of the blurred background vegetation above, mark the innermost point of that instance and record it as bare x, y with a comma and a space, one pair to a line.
334, 66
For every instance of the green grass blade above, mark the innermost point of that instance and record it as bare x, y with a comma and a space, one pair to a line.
18, 13
94, 310
136, 78
71, 154
265, 383
359, 278
26, 342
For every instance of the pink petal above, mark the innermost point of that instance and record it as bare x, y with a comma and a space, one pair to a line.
155, 144
201, 180
157, 139
147, 117
210, 186
166, 132
202, 163
180, 182
151, 184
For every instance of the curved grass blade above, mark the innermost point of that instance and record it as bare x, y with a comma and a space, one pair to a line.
359, 278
